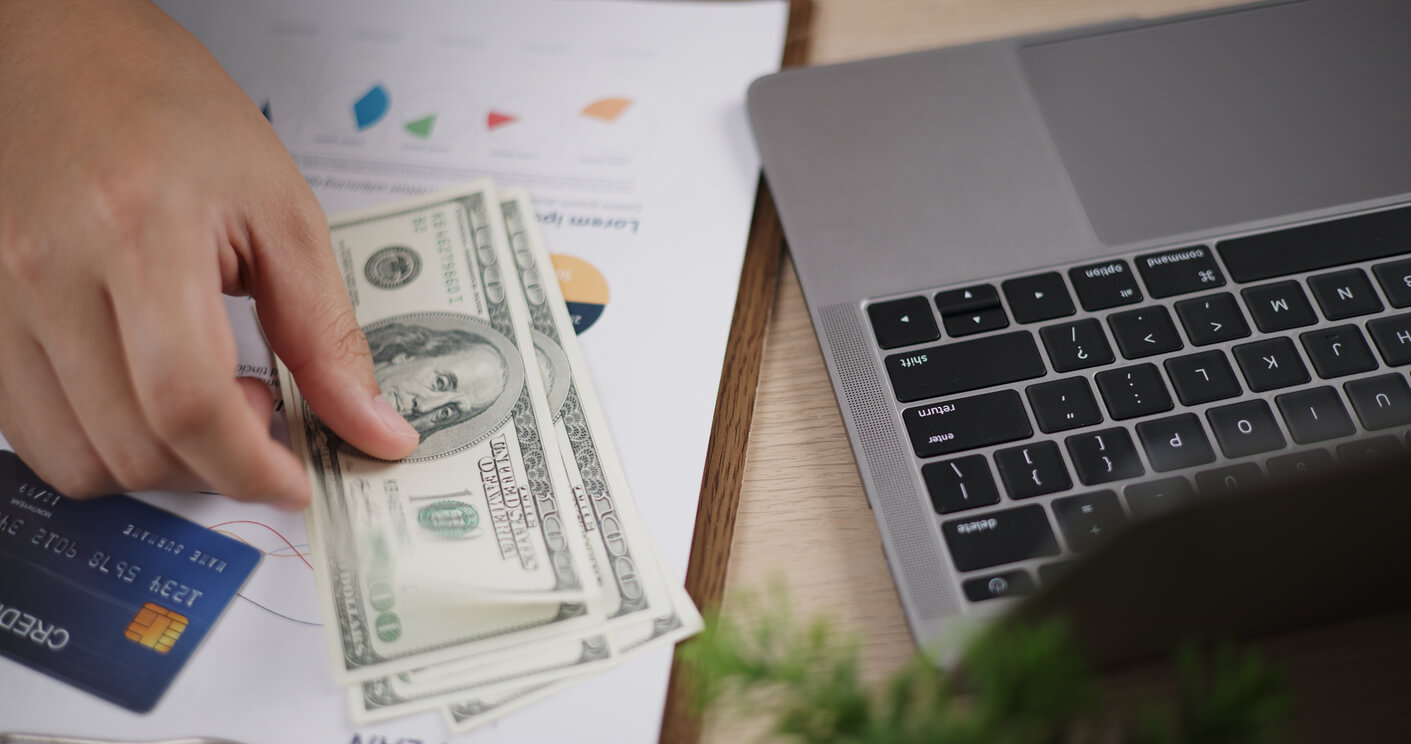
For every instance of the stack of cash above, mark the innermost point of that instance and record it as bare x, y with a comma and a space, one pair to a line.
504, 559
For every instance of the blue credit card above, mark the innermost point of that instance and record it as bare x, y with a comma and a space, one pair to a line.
110, 595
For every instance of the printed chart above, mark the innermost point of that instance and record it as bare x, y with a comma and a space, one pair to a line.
585, 290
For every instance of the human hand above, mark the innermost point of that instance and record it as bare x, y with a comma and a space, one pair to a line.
139, 183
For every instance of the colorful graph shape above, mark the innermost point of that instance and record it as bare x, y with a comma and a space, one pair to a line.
265, 109
585, 290
496, 119
421, 128
606, 109
371, 107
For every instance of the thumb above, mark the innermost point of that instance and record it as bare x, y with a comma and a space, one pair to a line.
305, 313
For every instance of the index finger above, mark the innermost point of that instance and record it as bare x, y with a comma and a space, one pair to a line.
180, 354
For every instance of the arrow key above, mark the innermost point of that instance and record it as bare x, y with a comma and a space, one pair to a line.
1212, 319
903, 322
1038, 297
1144, 332
975, 321
967, 299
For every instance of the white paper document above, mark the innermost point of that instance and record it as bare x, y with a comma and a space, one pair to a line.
626, 122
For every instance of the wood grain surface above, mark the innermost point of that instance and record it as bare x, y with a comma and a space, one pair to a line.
802, 519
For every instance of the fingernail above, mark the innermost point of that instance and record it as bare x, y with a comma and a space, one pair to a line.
393, 420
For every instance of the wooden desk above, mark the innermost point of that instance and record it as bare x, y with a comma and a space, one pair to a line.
803, 517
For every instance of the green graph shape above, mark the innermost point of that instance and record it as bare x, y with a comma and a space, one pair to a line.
421, 127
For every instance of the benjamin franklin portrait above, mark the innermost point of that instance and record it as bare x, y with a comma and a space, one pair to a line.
452, 377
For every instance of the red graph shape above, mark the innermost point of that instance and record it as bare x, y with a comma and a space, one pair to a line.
276, 532
496, 120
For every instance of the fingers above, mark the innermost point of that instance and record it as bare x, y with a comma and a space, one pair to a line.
305, 312
41, 425
180, 364
258, 395
84, 347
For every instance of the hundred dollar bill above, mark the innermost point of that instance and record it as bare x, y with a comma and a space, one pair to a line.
474, 713
434, 687
643, 604
471, 544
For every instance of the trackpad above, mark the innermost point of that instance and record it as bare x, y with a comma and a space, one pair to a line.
1192, 125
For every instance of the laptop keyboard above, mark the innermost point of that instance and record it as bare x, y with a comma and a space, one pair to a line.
1046, 411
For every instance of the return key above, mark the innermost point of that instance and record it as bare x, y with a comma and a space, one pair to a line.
966, 423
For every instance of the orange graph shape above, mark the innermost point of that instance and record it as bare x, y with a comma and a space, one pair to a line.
495, 120
606, 109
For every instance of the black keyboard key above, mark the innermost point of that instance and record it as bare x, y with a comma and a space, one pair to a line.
1369, 450
1314, 415
965, 366
1246, 428
966, 299
1392, 336
1175, 442
1299, 464
1279, 306
1089, 519
1154, 498
1202, 378
1064, 404
903, 322
966, 423
1133, 391
1213, 319
1051, 572
1338, 351
1381, 402
1104, 456
1180, 271
1321, 245
975, 321
1344, 294
1038, 297
1229, 479
1077, 345
1103, 285
1395, 278
1144, 332
960, 484
999, 537
1008, 584
1271, 364
1032, 470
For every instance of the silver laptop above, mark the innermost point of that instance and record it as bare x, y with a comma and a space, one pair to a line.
1065, 283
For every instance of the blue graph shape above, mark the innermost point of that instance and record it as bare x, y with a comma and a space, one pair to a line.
370, 109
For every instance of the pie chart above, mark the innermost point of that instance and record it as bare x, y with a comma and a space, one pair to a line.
585, 291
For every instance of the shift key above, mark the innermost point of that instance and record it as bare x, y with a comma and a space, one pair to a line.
967, 423
965, 366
